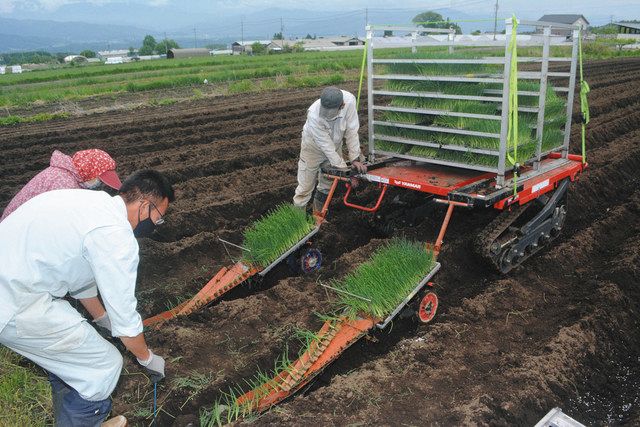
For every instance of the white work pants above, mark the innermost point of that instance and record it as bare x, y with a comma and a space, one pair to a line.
79, 356
311, 158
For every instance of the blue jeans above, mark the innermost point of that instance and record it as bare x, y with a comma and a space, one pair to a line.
71, 410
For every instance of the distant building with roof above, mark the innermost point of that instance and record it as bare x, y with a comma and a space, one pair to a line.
569, 19
245, 46
75, 58
105, 54
187, 53
628, 27
319, 43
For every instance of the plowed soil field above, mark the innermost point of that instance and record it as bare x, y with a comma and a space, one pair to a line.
561, 330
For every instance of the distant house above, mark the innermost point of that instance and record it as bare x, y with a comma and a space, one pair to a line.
114, 60
187, 53
628, 27
16, 69
245, 46
320, 43
3, 69
105, 54
568, 19
149, 57
332, 43
344, 40
74, 58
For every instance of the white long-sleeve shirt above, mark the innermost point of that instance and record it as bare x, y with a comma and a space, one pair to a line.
68, 241
326, 135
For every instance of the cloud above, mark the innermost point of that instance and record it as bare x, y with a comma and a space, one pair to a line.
7, 6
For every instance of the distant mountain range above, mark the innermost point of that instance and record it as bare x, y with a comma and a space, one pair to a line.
70, 35
100, 26
29, 34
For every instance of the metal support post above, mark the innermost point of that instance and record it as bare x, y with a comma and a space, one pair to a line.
502, 159
570, 95
370, 92
451, 37
414, 39
544, 69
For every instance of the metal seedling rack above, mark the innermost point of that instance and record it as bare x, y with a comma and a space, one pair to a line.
417, 37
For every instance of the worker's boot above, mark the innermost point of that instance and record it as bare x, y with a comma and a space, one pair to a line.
119, 421
318, 203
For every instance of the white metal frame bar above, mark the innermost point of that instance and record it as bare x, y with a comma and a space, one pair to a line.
440, 162
460, 148
437, 129
435, 112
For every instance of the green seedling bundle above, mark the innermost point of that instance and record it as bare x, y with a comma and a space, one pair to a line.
466, 149
385, 279
275, 233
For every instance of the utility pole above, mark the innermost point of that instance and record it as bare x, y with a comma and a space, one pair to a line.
495, 21
166, 47
366, 16
281, 28
195, 42
242, 32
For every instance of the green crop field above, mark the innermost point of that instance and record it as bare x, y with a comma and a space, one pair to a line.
75, 83
228, 74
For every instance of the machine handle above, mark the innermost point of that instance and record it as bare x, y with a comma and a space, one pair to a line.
363, 208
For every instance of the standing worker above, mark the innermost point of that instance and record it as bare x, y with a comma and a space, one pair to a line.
86, 169
330, 119
79, 243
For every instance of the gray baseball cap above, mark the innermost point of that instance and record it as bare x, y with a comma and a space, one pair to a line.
330, 102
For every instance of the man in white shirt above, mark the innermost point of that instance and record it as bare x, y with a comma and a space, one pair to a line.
330, 120
82, 243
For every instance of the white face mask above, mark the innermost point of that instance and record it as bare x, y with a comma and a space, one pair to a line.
93, 184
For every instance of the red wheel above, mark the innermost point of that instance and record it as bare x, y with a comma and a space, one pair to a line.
428, 307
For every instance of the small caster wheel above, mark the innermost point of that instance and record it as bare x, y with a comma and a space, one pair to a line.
428, 307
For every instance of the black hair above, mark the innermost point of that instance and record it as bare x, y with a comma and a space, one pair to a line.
146, 182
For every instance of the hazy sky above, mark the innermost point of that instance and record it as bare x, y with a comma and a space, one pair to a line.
617, 9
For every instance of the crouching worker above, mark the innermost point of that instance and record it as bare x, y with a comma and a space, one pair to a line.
81, 243
88, 169
330, 120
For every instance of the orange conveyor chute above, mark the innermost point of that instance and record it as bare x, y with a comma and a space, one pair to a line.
225, 280
333, 338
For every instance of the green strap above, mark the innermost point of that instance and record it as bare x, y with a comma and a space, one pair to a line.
512, 132
584, 102
364, 61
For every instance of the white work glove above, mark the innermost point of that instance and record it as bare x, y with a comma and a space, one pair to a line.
154, 365
103, 321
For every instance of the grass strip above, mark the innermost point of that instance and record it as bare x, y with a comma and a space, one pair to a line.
25, 395
41, 117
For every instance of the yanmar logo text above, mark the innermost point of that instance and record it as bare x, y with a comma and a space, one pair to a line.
407, 184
